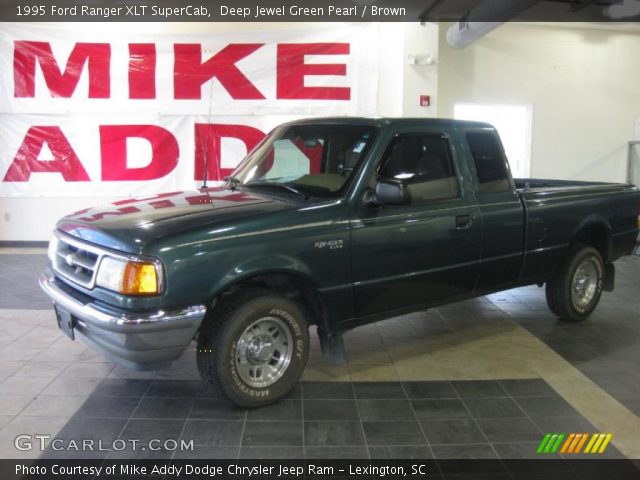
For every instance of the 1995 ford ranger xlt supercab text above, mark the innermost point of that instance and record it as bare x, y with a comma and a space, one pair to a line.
334, 223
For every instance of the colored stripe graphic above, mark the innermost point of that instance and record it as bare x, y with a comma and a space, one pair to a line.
550, 443
543, 443
582, 440
554, 449
591, 442
606, 441
574, 443
567, 443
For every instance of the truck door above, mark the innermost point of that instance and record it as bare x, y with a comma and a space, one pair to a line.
429, 250
501, 210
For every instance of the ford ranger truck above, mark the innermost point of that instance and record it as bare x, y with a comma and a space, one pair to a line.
332, 223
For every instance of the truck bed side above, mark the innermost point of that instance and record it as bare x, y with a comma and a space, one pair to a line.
561, 213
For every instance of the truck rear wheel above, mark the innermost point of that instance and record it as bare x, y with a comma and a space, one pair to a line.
254, 347
575, 291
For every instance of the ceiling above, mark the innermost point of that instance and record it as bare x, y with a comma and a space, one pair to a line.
541, 11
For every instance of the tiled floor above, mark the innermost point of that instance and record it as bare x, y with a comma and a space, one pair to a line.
481, 378
319, 419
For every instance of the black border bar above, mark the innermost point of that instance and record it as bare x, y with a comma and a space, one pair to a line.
306, 11
544, 467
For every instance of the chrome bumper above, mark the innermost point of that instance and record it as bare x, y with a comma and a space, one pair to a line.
138, 340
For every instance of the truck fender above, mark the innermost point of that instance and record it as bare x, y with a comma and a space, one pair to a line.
273, 267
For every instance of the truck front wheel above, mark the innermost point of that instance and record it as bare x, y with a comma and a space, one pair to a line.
575, 291
254, 347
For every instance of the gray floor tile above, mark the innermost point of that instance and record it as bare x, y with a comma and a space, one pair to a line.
472, 452
330, 410
335, 452
328, 390
118, 387
16, 385
546, 406
479, 388
271, 452
504, 430
393, 433
563, 424
216, 408
105, 429
88, 370
287, 409
97, 406
54, 405
518, 450
401, 452
272, 433
42, 369
452, 431
632, 404
430, 390
154, 429
13, 404
164, 408
213, 433
175, 388
4, 419
440, 408
333, 433
385, 409
528, 387
501, 407
379, 390
208, 452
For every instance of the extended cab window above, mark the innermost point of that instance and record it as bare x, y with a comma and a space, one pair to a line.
424, 163
491, 165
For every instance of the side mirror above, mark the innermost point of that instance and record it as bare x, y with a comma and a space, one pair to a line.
391, 192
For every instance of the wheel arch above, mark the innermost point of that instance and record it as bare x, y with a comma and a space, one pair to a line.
594, 231
293, 284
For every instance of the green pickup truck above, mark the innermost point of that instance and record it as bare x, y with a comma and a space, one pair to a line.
335, 223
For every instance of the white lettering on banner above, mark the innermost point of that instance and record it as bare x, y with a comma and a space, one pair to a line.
76, 106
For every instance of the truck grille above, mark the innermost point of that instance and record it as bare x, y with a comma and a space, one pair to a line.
75, 260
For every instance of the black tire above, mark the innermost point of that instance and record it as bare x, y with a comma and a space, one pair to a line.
219, 350
562, 297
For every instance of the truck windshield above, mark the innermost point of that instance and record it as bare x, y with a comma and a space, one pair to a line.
309, 160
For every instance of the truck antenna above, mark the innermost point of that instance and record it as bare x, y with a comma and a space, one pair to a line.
206, 145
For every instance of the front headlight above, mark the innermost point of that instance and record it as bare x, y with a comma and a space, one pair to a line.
129, 277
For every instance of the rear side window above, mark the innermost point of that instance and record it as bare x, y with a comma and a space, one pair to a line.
491, 166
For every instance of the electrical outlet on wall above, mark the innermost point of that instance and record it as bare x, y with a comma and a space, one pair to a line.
7, 217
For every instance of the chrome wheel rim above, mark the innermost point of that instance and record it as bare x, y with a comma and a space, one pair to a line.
263, 352
584, 284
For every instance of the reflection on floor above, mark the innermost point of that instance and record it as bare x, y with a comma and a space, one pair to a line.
494, 374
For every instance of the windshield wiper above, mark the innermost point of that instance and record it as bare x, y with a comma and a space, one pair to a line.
233, 182
278, 185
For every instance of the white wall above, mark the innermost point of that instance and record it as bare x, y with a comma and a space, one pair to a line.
33, 219
583, 84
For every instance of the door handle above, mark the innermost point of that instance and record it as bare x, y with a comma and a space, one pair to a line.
463, 222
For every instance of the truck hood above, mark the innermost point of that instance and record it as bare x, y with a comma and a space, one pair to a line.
128, 225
